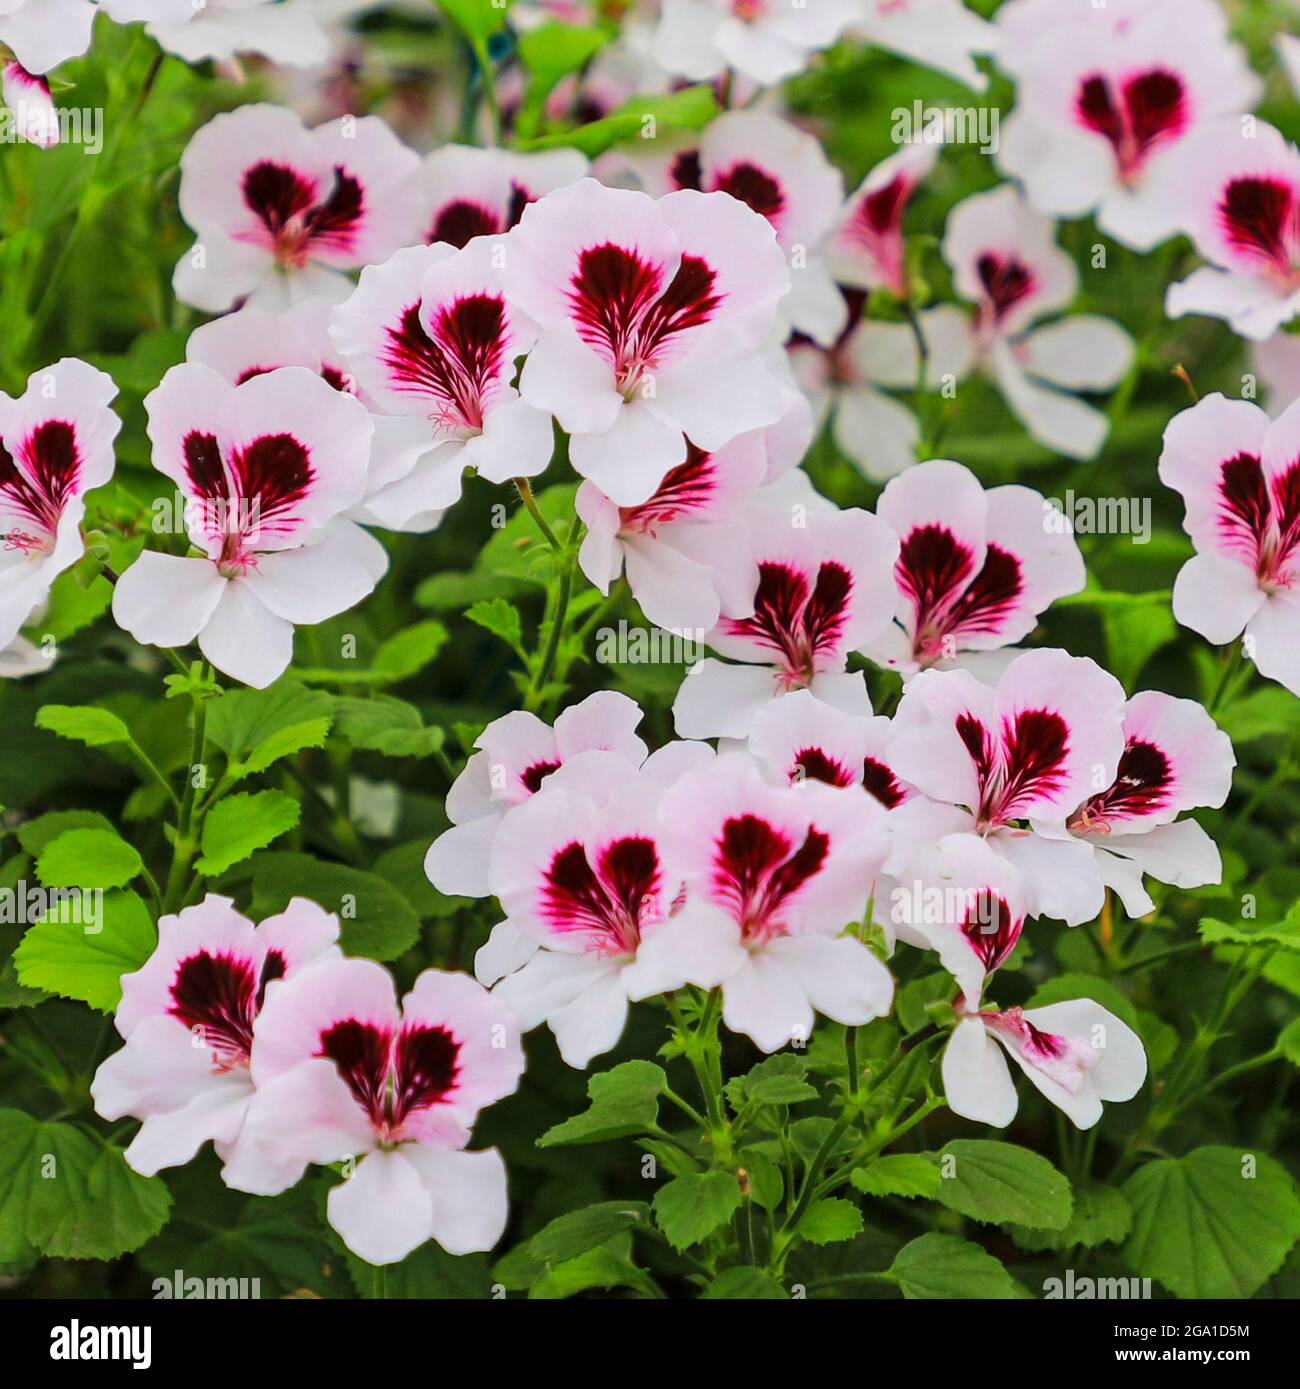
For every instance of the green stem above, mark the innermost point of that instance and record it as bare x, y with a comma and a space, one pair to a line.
378, 1282
183, 849
525, 490
488, 78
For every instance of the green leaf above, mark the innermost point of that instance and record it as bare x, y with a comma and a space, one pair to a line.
998, 1183
1259, 714
688, 1209
566, 1238
1204, 1228
1285, 933
60, 955
606, 1266
624, 1101
776, 1080
478, 20
749, 1284
242, 719
898, 1174
428, 1274
553, 50
44, 829
1101, 1216
240, 825
387, 725
692, 108
408, 652
830, 1220
95, 727
943, 1266
284, 742
501, 618
1065, 988
90, 858
766, 1180
378, 922
1288, 1042
70, 1194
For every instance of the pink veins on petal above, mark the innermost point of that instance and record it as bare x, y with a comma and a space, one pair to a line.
1005, 283
393, 1075
608, 901
936, 572
218, 997
1147, 108
798, 624
1260, 219
758, 868
1141, 787
990, 929
37, 492
1259, 518
294, 220
458, 361
622, 308
1029, 763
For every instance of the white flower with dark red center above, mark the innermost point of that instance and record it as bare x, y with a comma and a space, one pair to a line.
1175, 758
1075, 1054
782, 173
958, 897
764, 40
516, 753
27, 98
187, 1018
265, 469
343, 1073
483, 192
670, 544
772, 876
1105, 114
975, 568
288, 32
583, 876
866, 247
652, 317
1239, 477
825, 587
56, 444
802, 739
253, 341
432, 339
849, 382
1237, 195
1013, 762
1006, 262
282, 212
939, 34
45, 33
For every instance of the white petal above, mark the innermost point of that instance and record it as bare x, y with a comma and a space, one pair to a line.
976, 1082
383, 1210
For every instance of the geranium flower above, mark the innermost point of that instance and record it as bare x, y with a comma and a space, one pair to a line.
825, 588
432, 338
773, 876
1075, 1054
516, 753
1239, 477
45, 33
1010, 759
1005, 261
253, 342
265, 467
866, 247
1105, 112
849, 383
652, 315
764, 40
1175, 758
342, 1074
1237, 195
939, 34
782, 173
975, 568
281, 212
802, 739
472, 192
28, 100
670, 544
288, 32
583, 876
187, 1018
56, 444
